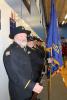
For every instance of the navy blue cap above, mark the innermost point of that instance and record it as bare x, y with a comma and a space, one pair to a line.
30, 38
18, 30
38, 39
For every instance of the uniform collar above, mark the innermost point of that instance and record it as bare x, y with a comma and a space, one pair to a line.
16, 44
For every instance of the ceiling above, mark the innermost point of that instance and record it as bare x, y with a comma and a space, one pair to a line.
28, 13
31, 12
61, 9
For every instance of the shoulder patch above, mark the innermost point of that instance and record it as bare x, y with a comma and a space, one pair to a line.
7, 53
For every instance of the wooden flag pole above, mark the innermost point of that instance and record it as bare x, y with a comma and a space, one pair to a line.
49, 87
49, 81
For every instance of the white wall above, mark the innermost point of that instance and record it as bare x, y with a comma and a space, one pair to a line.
37, 3
4, 42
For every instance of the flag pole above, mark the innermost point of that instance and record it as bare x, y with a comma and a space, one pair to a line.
49, 80
49, 87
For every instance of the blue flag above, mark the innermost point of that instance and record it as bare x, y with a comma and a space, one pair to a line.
53, 41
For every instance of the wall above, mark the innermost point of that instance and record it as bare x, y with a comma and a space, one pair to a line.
63, 31
4, 42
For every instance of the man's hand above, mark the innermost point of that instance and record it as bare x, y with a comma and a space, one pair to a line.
50, 60
37, 88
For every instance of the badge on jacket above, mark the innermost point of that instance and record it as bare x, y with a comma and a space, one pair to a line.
29, 52
7, 53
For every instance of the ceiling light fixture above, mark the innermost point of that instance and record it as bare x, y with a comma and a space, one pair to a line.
63, 22
65, 16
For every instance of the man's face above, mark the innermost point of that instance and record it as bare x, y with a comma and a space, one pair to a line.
35, 43
30, 44
21, 39
39, 43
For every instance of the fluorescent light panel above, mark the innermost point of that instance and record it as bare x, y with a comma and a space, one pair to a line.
65, 16
63, 22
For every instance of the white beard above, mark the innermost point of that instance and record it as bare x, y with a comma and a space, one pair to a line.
22, 44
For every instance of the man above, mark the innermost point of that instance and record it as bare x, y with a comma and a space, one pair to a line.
40, 48
18, 67
36, 60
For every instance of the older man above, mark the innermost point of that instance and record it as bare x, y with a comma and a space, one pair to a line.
18, 67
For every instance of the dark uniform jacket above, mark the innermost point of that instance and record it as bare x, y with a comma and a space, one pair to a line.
41, 52
18, 68
36, 62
